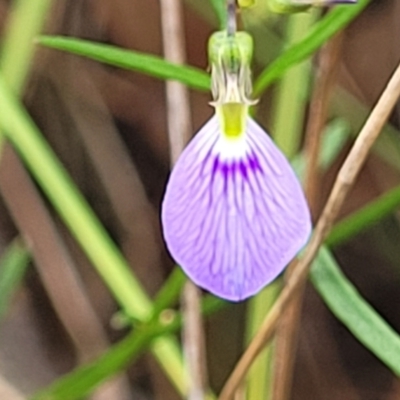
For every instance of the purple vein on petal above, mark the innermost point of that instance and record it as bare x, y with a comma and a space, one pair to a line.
234, 214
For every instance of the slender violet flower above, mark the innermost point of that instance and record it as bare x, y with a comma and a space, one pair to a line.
234, 214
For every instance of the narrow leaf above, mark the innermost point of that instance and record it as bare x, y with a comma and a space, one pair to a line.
219, 7
364, 217
323, 30
129, 59
352, 309
12, 269
83, 380
83, 224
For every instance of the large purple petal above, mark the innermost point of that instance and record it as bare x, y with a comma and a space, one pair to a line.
234, 213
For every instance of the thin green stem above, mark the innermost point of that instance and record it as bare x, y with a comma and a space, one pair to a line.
289, 113
321, 32
292, 92
84, 379
170, 291
219, 7
26, 22
13, 265
259, 382
365, 217
132, 60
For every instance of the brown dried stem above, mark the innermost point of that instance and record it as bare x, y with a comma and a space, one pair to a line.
344, 181
326, 77
178, 109
179, 127
287, 331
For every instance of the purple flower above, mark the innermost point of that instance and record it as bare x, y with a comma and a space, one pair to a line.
234, 214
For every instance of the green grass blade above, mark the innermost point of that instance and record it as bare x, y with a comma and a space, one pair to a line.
364, 217
82, 222
83, 380
335, 136
219, 7
328, 26
291, 95
166, 298
26, 21
71, 205
357, 315
129, 59
170, 291
259, 378
13, 265
333, 140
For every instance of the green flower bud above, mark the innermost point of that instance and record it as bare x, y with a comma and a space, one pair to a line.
230, 57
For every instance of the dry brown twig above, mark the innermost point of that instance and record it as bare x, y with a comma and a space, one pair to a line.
179, 127
288, 327
178, 110
328, 66
344, 181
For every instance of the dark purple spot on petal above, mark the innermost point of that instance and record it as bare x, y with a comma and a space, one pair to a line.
243, 168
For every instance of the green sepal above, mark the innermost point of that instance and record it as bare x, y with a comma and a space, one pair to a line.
230, 57
232, 50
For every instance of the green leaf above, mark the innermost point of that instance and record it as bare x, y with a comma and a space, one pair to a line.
287, 133
70, 204
351, 308
170, 291
335, 136
129, 59
292, 93
219, 7
13, 265
364, 217
323, 30
26, 20
333, 139
83, 224
260, 377
166, 298
83, 380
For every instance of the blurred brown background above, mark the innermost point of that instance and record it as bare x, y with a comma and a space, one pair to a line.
108, 126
